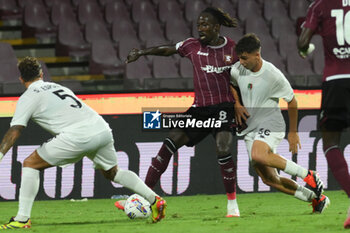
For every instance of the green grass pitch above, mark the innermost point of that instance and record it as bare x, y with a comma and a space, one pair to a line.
260, 212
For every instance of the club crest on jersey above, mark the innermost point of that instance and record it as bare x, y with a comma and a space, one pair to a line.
250, 86
228, 59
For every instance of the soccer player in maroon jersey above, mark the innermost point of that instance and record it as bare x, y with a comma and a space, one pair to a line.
211, 56
331, 19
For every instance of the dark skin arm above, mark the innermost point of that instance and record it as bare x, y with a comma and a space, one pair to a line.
304, 39
10, 138
164, 50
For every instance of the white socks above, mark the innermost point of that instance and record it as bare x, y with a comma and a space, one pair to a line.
131, 181
27, 193
232, 208
295, 170
304, 194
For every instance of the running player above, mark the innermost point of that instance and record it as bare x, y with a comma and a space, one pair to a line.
331, 19
212, 56
261, 85
78, 131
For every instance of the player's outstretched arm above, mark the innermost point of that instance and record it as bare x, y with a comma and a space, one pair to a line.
164, 50
293, 137
10, 138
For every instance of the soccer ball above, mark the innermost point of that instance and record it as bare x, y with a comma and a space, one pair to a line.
137, 207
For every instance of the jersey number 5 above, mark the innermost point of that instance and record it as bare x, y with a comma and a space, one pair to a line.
62, 95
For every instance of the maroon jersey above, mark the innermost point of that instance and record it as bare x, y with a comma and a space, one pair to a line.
331, 19
211, 70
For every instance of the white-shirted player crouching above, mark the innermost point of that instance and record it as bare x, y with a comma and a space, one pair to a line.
78, 131
261, 85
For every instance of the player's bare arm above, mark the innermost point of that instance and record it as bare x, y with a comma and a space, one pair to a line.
293, 137
240, 111
10, 138
304, 45
164, 50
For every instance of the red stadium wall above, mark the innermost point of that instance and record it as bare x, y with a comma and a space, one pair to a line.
191, 171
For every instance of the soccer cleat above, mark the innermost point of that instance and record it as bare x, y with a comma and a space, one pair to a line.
320, 204
16, 224
347, 223
158, 209
314, 181
120, 204
232, 213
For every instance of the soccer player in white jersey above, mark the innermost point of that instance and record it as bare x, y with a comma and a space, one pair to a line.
78, 131
261, 85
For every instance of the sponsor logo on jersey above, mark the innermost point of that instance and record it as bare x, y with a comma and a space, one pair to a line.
202, 53
342, 53
250, 86
213, 69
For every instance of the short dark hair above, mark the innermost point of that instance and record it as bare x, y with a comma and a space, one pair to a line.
29, 68
223, 18
248, 43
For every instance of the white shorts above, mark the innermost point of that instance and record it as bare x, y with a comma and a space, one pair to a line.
69, 148
272, 139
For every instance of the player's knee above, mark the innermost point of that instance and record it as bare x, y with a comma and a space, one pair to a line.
111, 173
271, 180
222, 149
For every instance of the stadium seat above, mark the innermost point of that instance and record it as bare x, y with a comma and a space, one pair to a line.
298, 66
157, 41
9, 77
247, 8
90, 10
281, 25
70, 40
297, 8
314, 81
318, 55
193, 9
75, 85
169, 10
77, 3
46, 73
138, 70
7, 52
274, 8
287, 43
104, 60
126, 45
116, 11
96, 31
103, 3
174, 83
176, 30
50, 3
23, 3
226, 6
9, 10
186, 68
150, 30
256, 25
143, 10
61, 10
36, 23
233, 33
164, 67
123, 29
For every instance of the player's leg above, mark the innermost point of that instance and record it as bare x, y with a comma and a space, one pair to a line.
29, 189
176, 139
228, 170
105, 160
261, 153
271, 178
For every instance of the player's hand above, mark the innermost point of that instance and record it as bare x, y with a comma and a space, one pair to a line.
1, 156
294, 142
241, 113
134, 54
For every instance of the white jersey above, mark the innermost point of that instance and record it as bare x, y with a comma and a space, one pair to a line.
56, 109
260, 93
